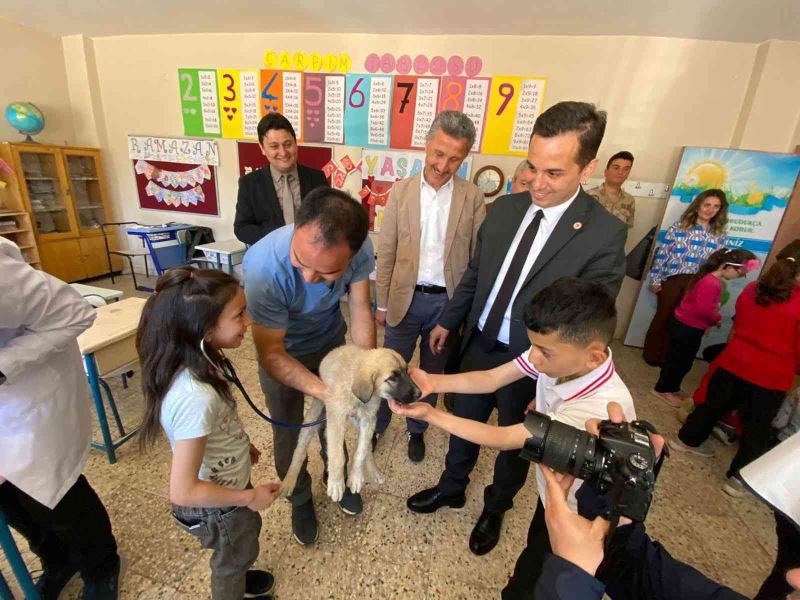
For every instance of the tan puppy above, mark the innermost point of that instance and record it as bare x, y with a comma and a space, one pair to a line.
357, 379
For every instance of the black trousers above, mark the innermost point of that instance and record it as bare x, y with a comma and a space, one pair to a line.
757, 407
77, 531
684, 342
510, 471
775, 586
530, 562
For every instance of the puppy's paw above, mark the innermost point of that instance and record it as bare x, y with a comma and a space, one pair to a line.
356, 482
335, 489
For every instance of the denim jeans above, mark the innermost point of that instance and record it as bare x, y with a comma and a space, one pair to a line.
232, 533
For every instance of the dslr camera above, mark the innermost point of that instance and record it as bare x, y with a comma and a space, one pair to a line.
620, 463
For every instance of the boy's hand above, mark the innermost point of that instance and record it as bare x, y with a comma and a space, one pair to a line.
415, 410
255, 454
423, 381
531, 406
263, 496
437, 339
572, 537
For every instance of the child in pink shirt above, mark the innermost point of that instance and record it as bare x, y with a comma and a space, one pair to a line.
697, 312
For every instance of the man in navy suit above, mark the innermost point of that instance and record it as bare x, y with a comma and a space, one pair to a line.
270, 197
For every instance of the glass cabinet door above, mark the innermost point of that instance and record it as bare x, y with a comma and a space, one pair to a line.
84, 182
47, 198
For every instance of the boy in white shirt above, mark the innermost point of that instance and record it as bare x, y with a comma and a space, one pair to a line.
570, 325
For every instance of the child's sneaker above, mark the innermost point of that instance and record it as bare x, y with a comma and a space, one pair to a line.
674, 400
700, 450
734, 487
258, 583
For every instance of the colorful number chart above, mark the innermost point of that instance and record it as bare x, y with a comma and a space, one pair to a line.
374, 110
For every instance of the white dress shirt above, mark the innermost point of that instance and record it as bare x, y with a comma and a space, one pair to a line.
576, 401
548, 223
434, 210
45, 422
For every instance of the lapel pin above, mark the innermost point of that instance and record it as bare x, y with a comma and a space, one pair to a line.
577, 225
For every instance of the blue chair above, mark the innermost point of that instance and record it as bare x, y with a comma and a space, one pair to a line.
17, 565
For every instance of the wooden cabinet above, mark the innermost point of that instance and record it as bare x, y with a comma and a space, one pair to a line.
63, 190
15, 222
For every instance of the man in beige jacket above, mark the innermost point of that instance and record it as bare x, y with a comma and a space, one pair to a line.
430, 226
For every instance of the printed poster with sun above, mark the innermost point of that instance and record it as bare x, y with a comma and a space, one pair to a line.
758, 186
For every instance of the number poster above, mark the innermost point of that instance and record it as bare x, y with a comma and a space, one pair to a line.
372, 110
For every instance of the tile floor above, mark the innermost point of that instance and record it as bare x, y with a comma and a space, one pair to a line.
388, 552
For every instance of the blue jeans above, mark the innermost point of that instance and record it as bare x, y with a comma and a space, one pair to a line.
422, 316
232, 533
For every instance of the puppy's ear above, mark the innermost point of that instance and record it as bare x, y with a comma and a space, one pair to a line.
363, 384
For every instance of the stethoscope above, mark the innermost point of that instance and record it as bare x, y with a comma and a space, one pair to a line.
226, 370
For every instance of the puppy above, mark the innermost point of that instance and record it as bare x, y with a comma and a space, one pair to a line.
356, 379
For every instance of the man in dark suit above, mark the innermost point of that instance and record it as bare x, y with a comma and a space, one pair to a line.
269, 197
527, 241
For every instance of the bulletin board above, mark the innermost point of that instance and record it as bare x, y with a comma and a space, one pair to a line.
176, 187
387, 107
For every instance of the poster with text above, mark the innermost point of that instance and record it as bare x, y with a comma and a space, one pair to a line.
366, 113
514, 104
758, 186
199, 103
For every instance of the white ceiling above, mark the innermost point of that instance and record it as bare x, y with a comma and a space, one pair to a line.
728, 20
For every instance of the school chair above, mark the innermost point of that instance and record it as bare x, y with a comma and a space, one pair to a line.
18, 567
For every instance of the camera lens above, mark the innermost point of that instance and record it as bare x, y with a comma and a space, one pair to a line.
561, 447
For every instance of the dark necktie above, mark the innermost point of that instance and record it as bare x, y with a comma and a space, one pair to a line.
495, 318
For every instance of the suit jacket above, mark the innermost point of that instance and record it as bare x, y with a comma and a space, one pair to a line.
399, 242
258, 210
593, 250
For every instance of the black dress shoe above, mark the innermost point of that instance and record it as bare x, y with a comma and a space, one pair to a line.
486, 533
431, 500
416, 447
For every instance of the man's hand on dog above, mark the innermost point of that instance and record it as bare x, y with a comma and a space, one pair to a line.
415, 410
423, 381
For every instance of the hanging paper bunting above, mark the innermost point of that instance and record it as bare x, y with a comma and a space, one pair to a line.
375, 198
176, 179
174, 198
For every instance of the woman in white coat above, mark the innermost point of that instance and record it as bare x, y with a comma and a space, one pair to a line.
45, 430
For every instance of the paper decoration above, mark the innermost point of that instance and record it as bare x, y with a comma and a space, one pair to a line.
388, 165
177, 150
175, 198
199, 198
176, 179
514, 104
339, 172
470, 96
293, 101
308, 61
5, 168
249, 86
371, 110
230, 103
199, 105
323, 108
367, 110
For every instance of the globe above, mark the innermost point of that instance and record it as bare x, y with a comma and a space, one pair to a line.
26, 118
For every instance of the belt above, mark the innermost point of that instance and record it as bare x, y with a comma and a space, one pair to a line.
430, 289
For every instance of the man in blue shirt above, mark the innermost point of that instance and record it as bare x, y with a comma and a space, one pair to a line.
294, 278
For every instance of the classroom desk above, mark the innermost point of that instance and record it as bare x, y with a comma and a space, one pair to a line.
161, 241
226, 254
106, 294
109, 345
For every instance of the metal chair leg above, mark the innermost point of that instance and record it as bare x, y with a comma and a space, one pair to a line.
15, 560
112, 405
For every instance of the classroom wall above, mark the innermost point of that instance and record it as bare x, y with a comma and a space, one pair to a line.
33, 71
660, 93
